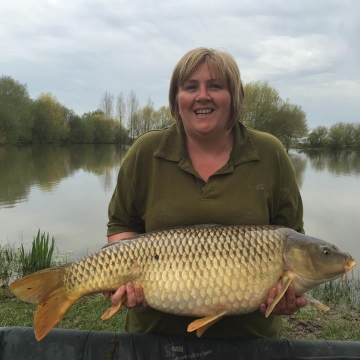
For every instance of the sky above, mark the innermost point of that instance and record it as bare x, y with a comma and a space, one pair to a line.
308, 50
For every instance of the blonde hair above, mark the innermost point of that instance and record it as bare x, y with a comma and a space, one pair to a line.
227, 69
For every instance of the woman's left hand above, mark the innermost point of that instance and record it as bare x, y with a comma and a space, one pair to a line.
288, 304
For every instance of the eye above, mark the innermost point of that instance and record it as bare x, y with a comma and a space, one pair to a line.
326, 251
215, 86
189, 86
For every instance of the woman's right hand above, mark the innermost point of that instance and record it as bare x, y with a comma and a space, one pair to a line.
134, 296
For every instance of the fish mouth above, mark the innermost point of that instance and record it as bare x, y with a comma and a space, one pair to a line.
350, 264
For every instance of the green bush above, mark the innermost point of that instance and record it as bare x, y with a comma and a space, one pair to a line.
40, 256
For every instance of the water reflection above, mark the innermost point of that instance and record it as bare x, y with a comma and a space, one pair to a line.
299, 163
47, 165
65, 190
340, 162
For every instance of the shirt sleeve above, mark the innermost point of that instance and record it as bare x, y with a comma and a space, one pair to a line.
290, 207
122, 212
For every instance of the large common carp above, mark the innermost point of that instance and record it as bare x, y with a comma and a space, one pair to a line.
208, 271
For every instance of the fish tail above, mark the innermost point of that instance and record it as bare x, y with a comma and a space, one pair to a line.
45, 287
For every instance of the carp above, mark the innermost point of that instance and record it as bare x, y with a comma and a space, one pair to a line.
207, 271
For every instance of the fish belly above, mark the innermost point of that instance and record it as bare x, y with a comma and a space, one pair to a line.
195, 271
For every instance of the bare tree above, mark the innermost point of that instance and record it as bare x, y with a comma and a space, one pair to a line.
148, 115
133, 110
107, 104
121, 108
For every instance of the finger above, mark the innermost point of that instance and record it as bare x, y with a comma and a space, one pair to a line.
131, 296
300, 301
272, 296
117, 296
139, 294
269, 300
140, 297
107, 294
280, 307
290, 301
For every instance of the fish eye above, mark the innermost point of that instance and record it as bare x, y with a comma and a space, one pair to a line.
326, 251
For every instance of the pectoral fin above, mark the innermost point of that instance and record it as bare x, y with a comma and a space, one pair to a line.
286, 283
201, 325
316, 303
111, 311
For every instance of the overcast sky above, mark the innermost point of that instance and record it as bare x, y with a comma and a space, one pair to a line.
308, 49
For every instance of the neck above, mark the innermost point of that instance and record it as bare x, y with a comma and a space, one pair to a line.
210, 145
209, 155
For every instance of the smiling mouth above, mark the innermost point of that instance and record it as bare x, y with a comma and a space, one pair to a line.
203, 111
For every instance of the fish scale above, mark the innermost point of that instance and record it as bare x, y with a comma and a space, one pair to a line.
179, 269
207, 271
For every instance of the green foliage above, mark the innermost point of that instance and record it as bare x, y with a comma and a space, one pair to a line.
261, 105
46, 120
98, 128
317, 138
49, 120
264, 110
15, 111
40, 256
339, 136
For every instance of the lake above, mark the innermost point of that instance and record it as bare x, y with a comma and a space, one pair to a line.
65, 190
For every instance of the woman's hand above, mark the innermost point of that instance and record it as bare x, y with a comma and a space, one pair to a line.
134, 296
288, 304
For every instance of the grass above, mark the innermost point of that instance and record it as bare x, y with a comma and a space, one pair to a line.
8, 263
84, 315
40, 256
342, 322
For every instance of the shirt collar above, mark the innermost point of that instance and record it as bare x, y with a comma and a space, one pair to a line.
172, 146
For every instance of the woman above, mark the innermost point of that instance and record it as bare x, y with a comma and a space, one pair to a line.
206, 168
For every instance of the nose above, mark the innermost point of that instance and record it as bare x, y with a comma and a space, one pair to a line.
203, 94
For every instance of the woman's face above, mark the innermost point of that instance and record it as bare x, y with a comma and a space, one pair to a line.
204, 102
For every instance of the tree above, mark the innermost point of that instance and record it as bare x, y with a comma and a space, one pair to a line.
121, 116
349, 135
317, 137
335, 135
75, 126
261, 104
50, 123
147, 117
107, 104
162, 118
264, 110
133, 114
98, 128
16, 119
289, 124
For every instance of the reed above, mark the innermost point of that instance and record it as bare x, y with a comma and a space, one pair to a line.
339, 291
8, 264
40, 256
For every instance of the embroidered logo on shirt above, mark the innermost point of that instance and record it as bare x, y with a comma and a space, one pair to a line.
262, 187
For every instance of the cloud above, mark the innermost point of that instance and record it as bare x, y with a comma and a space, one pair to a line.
78, 50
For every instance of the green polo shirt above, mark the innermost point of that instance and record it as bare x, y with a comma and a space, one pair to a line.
157, 188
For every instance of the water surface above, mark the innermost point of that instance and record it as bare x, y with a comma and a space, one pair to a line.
65, 190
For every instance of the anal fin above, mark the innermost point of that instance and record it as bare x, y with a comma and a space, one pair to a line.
201, 325
285, 286
316, 303
112, 310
